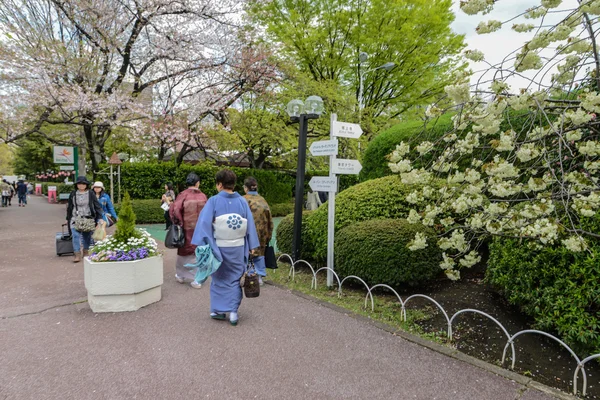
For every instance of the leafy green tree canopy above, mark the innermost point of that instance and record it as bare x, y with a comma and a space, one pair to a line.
325, 38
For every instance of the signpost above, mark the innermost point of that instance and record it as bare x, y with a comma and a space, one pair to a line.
323, 184
346, 167
346, 129
330, 183
64, 155
67, 155
324, 148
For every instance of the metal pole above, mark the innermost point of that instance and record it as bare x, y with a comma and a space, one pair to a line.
112, 197
119, 172
76, 161
299, 196
360, 92
331, 211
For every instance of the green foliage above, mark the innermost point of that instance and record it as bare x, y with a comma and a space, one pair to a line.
126, 222
281, 209
324, 38
61, 187
146, 211
377, 198
558, 288
6, 159
33, 155
377, 252
276, 187
146, 180
285, 235
375, 162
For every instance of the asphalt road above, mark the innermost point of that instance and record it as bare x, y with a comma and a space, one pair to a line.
52, 346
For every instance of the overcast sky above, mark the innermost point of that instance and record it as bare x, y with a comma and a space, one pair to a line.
499, 44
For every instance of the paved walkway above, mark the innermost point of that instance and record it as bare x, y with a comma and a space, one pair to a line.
286, 347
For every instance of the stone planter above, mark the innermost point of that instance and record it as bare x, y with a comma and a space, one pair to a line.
123, 285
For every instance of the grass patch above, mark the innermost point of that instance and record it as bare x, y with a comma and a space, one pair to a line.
387, 307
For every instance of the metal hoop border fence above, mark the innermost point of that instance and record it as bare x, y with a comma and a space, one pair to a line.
580, 367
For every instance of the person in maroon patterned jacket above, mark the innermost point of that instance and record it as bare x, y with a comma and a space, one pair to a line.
185, 211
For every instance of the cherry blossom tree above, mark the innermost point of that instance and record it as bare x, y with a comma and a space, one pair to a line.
94, 65
519, 162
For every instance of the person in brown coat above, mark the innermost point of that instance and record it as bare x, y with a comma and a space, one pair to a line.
263, 221
185, 211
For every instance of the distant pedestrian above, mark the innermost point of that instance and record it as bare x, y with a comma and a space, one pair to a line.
22, 193
6, 192
82, 203
185, 211
263, 222
227, 225
167, 198
12, 193
108, 210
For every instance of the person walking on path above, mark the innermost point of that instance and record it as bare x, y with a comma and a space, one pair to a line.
263, 221
185, 211
108, 210
6, 192
12, 193
82, 203
166, 200
22, 193
227, 225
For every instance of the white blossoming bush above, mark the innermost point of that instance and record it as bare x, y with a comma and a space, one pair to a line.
535, 181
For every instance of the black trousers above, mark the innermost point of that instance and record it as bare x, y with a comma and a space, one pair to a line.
168, 219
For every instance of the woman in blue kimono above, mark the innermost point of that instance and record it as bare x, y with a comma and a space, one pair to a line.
226, 224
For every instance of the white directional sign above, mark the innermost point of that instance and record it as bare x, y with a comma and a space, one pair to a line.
347, 167
346, 129
323, 184
324, 148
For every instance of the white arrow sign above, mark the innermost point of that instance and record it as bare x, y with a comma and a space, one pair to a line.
323, 184
345, 129
324, 148
347, 167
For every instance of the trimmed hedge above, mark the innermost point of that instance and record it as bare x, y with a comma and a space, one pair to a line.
146, 180
60, 187
376, 252
146, 211
375, 162
285, 235
377, 198
282, 209
558, 288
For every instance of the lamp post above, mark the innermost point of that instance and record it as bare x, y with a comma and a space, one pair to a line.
301, 112
362, 58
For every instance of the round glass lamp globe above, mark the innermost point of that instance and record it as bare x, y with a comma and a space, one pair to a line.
314, 105
295, 108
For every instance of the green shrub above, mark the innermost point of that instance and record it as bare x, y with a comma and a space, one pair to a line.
61, 187
126, 222
282, 209
146, 180
285, 235
558, 288
275, 186
375, 162
377, 198
376, 251
146, 211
